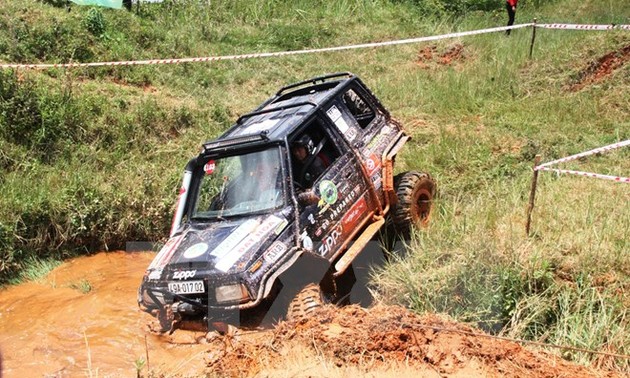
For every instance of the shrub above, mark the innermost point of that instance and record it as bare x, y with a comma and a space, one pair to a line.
94, 22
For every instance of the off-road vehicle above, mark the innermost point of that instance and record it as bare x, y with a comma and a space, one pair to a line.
295, 189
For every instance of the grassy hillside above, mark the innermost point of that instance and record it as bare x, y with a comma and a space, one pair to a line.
92, 158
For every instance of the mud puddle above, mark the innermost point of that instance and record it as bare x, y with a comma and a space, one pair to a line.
82, 320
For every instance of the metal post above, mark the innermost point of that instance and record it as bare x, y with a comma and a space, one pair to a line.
531, 46
532, 195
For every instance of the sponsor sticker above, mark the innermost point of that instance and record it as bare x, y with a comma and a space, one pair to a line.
335, 116
330, 241
235, 237
184, 274
209, 167
307, 243
372, 164
196, 250
351, 134
376, 180
252, 239
274, 252
375, 141
281, 227
352, 217
328, 193
345, 202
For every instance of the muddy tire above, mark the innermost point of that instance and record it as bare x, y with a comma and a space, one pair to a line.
415, 192
306, 302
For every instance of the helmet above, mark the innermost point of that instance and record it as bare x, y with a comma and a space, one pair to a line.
306, 142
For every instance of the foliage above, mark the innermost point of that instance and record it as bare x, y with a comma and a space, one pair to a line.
95, 22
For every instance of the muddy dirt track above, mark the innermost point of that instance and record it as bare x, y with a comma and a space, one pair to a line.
82, 320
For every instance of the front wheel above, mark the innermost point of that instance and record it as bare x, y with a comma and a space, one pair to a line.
306, 302
415, 192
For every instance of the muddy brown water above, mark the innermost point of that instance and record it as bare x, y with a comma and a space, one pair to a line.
52, 328
60, 327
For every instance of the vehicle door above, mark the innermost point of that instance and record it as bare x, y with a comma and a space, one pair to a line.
364, 125
341, 194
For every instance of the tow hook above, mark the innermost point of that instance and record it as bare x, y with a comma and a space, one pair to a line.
168, 320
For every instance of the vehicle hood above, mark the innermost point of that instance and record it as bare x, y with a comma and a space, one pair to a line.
218, 248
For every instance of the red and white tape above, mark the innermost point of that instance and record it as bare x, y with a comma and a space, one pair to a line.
587, 153
545, 166
587, 174
267, 54
582, 26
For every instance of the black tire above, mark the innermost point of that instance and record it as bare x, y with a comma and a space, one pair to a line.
306, 302
415, 192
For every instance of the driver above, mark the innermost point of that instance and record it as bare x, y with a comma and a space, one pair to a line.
307, 167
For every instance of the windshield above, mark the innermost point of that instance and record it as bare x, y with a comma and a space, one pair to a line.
240, 184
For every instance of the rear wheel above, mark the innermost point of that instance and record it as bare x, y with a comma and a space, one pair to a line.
415, 192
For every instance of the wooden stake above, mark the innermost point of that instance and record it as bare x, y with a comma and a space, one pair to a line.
532, 196
146, 351
531, 46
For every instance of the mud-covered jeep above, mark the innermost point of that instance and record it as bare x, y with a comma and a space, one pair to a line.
289, 195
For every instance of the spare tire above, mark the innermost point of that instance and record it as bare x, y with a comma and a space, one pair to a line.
415, 192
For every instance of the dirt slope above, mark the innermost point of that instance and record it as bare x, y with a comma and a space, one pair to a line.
382, 341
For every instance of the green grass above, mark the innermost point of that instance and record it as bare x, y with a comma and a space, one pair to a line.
83, 286
92, 158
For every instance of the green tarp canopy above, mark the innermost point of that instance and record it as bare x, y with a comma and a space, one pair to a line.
103, 3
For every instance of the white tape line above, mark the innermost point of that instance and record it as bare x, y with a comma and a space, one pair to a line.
587, 153
588, 174
268, 54
582, 26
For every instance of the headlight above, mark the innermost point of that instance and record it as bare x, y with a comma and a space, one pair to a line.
231, 293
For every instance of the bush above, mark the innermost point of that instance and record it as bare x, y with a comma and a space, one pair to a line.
94, 22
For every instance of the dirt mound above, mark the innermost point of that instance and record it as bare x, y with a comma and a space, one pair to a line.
380, 338
429, 56
601, 68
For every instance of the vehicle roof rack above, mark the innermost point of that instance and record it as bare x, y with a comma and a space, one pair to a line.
274, 109
314, 81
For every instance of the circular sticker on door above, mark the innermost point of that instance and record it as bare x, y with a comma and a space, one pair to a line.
196, 250
328, 192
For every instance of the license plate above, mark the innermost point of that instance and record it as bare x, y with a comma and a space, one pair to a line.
186, 287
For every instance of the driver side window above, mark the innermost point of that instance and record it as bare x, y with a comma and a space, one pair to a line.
312, 152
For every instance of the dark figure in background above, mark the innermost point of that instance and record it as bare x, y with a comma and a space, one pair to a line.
510, 5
